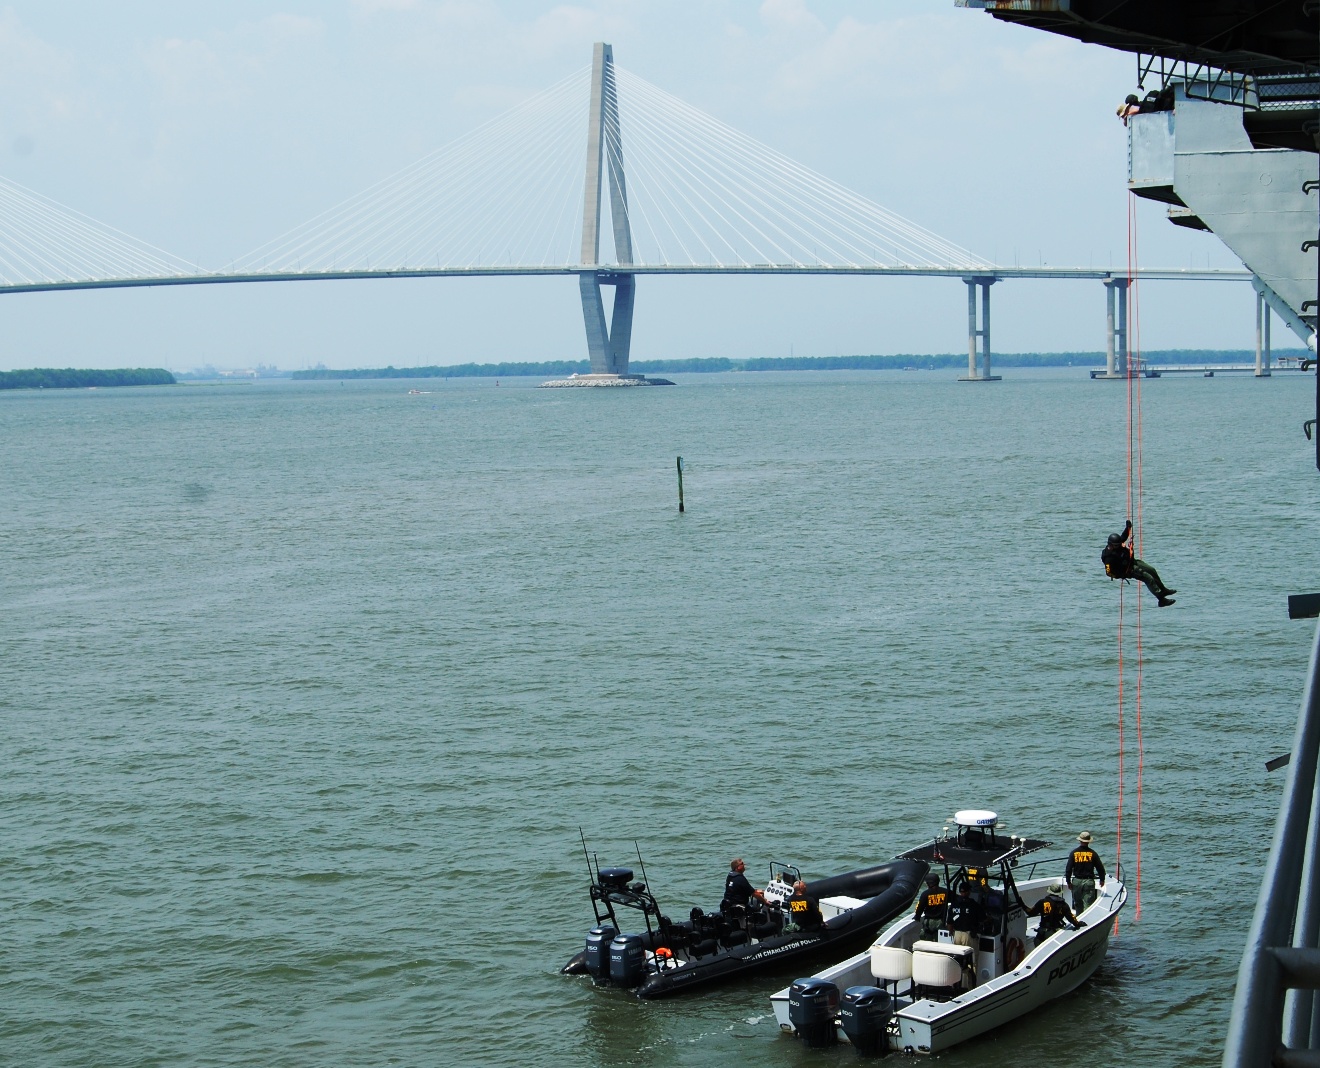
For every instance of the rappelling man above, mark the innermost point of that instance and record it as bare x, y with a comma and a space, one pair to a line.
1084, 872
931, 906
1120, 563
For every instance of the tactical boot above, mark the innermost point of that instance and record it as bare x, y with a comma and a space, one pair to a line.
1164, 602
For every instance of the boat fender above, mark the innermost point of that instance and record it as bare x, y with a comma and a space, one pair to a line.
1014, 952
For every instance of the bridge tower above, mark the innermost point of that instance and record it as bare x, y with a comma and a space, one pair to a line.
607, 341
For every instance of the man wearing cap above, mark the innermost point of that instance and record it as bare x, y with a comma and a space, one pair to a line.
964, 915
1084, 866
803, 910
1053, 912
931, 906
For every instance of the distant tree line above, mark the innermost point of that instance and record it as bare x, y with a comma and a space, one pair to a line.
70, 378
898, 362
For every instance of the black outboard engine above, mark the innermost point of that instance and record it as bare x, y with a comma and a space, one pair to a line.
864, 1013
812, 1004
597, 958
628, 960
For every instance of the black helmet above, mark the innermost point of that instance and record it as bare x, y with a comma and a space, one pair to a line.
932, 880
1115, 539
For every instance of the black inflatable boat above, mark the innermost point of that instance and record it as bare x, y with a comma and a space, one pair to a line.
674, 957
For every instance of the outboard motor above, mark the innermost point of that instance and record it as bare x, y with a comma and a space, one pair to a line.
812, 1004
628, 960
864, 1013
597, 958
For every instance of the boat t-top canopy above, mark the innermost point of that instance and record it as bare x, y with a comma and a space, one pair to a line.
977, 844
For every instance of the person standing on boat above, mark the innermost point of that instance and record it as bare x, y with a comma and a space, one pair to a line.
1053, 912
738, 889
1120, 563
1084, 865
931, 907
964, 915
803, 910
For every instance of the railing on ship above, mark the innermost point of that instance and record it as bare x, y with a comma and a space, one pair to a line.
1276, 1011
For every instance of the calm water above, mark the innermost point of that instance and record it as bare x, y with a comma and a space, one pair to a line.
305, 690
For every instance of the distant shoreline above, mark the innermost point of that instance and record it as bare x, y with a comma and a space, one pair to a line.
73, 378
712, 365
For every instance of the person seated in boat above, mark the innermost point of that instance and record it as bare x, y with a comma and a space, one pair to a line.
1053, 912
1084, 873
932, 904
738, 889
1120, 563
963, 915
803, 910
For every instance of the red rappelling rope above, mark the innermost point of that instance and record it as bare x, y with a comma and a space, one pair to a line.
1135, 493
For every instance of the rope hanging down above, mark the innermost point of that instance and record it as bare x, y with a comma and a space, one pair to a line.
1134, 495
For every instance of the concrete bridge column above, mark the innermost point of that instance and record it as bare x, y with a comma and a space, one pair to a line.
1116, 336
1262, 336
979, 354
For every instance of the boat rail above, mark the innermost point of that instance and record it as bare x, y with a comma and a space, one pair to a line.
1276, 1015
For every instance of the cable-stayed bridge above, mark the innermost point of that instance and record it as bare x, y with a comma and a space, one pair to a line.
682, 192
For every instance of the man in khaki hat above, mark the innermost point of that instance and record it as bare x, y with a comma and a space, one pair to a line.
1083, 872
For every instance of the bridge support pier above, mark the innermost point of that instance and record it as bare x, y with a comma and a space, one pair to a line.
1262, 336
1116, 334
608, 342
979, 333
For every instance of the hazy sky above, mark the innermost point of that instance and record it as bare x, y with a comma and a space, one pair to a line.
207, 128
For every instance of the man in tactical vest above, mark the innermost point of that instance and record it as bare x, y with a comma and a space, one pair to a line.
803, 910
1084, 866
931, 906
738, 890
964, 916
1053, 912
1120, 563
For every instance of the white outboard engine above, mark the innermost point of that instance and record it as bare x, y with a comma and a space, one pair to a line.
812, 1004
864, 1014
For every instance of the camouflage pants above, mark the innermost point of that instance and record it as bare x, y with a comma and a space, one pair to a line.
930, 928
1084, 894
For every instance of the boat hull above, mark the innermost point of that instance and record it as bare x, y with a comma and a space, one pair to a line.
1056, 967
847, 933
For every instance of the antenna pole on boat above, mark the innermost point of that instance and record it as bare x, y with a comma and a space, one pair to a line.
641, 863
594, 877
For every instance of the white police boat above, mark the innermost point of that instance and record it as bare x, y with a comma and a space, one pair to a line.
907, 994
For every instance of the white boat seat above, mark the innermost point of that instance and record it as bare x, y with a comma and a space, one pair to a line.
891, 963
936, 969
947, 948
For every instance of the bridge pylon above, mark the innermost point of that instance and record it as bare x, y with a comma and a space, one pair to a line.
979, 354
608, 340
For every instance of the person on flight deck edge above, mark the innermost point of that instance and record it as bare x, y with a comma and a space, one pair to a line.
1084, 865
1053, 912
931, 906
1120, 563
738, 890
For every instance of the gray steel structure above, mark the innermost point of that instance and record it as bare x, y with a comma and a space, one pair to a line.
607, 342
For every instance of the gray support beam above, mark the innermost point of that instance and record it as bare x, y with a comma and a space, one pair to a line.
1262, 336
602, 56
1111, 366
608, 341
972, 332
598, 331
985, 329
978, 336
